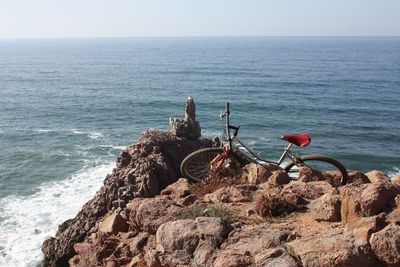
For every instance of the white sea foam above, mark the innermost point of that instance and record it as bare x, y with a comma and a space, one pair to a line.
25, 222
95, 135
75, 131
211, 133
396, 171
114, 147
44, 130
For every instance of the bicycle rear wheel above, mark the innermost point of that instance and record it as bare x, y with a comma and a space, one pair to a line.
328, 167
196, 166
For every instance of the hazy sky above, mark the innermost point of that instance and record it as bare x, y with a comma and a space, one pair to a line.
109, 18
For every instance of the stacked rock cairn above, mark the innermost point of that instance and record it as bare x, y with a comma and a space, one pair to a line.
187, 127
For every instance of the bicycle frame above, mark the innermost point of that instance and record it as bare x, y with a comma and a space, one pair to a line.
253, 157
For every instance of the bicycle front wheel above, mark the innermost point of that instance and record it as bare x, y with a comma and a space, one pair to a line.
323, 164
197, 165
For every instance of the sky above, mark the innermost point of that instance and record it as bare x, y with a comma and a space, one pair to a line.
148, 18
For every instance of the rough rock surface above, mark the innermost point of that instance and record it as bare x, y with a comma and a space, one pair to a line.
386, 245
142, 170
145, 216
336, 248
326, 208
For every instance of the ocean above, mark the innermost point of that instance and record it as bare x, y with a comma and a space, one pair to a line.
69, 106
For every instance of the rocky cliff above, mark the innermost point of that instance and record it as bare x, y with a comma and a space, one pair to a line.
142, 170
144, 216
253, 215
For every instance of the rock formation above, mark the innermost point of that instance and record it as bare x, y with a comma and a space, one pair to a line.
142, 170
187, 127
145, 215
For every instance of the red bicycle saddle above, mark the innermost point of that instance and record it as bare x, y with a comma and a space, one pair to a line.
301, 140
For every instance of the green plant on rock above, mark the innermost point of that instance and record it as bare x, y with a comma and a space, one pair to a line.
208, 211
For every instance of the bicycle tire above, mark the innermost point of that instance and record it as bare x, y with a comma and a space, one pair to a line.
321, 158
196, 166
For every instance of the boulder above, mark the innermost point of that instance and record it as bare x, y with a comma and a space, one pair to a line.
177, 235
113, 223
310, 190
396, 180
376, 197
275, 257
247, 246
385, 244
233, 258
278, 178
335, 248
152, 258
350, 209
228, 195
377, 176
258, 173
177, 190
137, 243
357, 177
308, 175
186, 234
153, 212
326, 208
366, 226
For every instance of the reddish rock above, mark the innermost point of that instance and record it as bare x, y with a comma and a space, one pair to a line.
396, 180
152, 258
228, 195
185, 234
350, 209
82, 248
357, 177
308, 175
336, 248
376, 197
275, 257
258, 173
365, 227
278, 178
385, 244
310, 190
113, 223
233, 258
177, 190
377, 176
152, 212
137, 243
326, 208
249, 245
142, 171
177, 235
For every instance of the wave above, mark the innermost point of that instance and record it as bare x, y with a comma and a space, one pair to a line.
91, 135
394, 172
95, 135
26, 221
211, 133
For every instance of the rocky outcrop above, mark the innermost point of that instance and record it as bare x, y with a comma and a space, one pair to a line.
307, 224
187, 127
142, 170
144, 215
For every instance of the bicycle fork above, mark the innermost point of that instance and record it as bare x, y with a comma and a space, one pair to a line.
219, 160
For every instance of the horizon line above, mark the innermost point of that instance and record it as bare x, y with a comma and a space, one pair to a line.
196, 36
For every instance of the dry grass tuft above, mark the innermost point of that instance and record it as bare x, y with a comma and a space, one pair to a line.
272, 205
208, 211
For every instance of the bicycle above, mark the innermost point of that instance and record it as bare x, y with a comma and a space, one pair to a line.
203, 162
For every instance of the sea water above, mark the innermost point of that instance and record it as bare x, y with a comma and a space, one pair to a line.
69, 106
